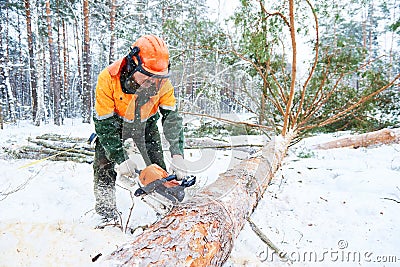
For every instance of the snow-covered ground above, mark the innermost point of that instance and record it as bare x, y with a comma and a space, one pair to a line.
333, 207
322, 207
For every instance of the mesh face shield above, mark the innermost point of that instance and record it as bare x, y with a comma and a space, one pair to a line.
130, 86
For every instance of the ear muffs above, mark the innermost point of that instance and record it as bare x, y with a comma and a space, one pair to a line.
131, 65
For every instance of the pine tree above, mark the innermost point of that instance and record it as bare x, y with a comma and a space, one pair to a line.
86, 83
32, 65
54, 74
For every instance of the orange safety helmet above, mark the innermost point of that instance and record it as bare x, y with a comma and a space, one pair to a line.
153, 53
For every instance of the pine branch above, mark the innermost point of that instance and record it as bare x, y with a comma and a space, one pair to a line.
267, 241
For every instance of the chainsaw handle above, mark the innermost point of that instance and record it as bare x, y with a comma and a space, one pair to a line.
169, 178
139, 192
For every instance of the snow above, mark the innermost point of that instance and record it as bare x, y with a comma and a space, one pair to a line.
330, 204
323, 204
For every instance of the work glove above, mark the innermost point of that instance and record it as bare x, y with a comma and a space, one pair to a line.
126, 168
178, 167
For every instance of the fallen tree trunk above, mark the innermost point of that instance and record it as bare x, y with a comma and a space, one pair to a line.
384, 136
201, 231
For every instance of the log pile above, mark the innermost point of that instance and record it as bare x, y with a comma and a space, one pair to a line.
55, 147
66, 148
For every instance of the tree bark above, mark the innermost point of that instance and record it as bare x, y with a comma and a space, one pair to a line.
11, 101
65, 70
54, 84
1, 117
87, 85
3, 99
113, 11
201, 231
384, 136
39, 68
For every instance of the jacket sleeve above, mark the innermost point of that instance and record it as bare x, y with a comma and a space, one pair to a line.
173, 130
107, 125
109, 133
171, 119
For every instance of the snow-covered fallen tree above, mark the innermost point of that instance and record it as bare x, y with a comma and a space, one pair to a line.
201, 231
384, 136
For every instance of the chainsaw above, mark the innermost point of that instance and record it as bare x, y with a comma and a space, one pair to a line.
156, 184
155, 179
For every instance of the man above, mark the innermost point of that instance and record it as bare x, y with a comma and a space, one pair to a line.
130, 94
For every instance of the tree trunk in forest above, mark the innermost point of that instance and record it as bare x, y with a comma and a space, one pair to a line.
201, 231
86, 83
78, 81
1, 116
54, 84
384, 136
10, 99
21, 89
113, 11
46, 93
39, 68
78, 49
32, 68
59, 65
65, 69
3, 94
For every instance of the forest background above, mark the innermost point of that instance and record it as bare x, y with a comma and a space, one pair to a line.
225, 58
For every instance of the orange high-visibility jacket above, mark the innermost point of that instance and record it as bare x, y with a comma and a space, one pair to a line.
111, 100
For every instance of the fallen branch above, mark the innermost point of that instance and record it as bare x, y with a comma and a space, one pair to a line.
268, 242
19, 187
391, 199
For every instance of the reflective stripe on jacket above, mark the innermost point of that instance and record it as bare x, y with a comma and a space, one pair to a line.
110, 99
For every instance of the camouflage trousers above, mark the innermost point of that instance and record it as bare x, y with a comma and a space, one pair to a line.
148, 142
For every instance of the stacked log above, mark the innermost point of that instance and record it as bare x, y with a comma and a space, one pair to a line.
55, 147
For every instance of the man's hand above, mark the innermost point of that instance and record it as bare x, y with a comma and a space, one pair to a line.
178, 166
126, 168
